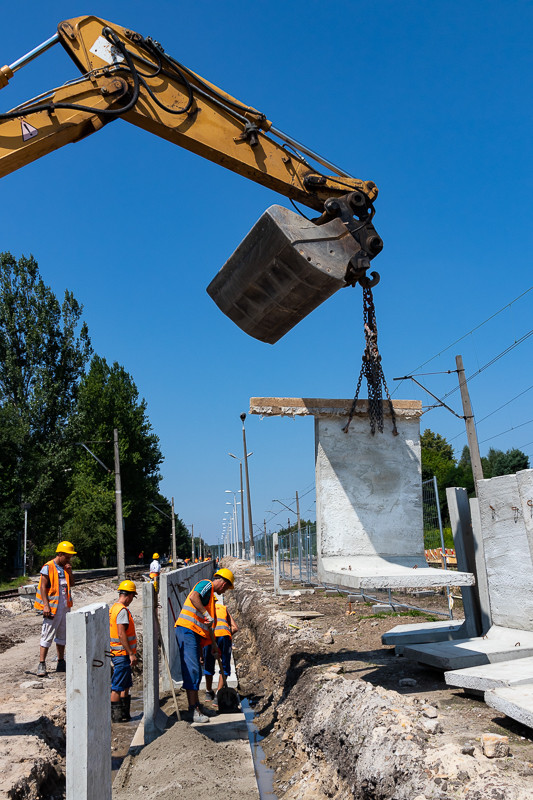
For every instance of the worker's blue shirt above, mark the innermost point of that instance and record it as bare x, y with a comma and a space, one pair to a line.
204, 590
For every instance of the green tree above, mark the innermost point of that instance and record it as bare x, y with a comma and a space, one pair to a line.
44, 348
437, 458
108, 398
497, 462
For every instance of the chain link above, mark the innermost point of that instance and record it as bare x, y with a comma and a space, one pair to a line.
372, 370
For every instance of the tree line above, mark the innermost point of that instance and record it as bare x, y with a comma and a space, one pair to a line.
56, 394
438, 460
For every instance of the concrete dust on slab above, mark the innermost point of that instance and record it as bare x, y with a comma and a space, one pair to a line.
189, 761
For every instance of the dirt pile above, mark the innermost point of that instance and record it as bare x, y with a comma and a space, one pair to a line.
332, 731
185, 763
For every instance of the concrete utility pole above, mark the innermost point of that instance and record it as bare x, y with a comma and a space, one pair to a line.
243, 535
173, 537
121, 563
475, 458
265, 539
250, 524
192, 542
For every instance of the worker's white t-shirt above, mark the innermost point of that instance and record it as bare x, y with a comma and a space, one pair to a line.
155, 566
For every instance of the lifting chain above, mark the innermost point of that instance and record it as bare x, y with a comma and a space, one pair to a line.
372, 370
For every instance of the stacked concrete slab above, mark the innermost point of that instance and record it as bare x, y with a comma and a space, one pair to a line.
502, 659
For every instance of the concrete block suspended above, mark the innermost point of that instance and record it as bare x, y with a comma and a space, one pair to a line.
368, 495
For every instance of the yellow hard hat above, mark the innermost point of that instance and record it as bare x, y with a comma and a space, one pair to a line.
155, 555
227, 574
127, 586
66, 547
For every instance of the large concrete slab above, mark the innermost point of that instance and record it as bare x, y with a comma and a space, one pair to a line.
368, 494
514, 703
423, 632
507, 548
492, 676
500, 644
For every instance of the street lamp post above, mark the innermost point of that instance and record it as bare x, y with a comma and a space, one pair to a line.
236, 528
250, 524
243, 534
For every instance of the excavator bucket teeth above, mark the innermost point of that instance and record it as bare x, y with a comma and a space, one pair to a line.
284, 268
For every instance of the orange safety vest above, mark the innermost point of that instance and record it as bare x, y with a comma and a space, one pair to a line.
116, 646
189, 617
53, 592
223, 628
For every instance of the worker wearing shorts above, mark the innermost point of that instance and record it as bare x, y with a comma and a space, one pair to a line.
54, 600
224, 630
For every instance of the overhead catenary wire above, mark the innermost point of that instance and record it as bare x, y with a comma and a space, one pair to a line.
475, 328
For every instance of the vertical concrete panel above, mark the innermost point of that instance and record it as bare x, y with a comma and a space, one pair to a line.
463, 540
507, 552
368, 489
154, 720
481, 567
174, 588
525, 489
88, 687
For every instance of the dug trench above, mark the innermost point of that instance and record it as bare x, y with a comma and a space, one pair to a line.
337, 718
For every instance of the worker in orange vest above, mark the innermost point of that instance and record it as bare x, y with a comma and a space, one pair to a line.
155, 569
123, 646
225, 629
54, 599
195, 629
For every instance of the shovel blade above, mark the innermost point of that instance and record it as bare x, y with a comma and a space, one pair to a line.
227, 699
284, 268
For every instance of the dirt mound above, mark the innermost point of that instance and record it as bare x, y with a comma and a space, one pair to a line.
181, 756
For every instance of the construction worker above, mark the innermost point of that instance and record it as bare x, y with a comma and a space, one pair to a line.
123, 647
195, 629
155, 569
225, 629
55, 600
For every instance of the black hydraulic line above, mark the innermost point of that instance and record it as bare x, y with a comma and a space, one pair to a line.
105, 112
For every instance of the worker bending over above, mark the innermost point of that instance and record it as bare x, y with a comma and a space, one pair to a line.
155, 569
123, 647
54, 599
225, 628
194, 630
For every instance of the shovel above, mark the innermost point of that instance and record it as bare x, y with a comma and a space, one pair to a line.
227, 698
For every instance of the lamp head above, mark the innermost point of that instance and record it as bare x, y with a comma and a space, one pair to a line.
243, 416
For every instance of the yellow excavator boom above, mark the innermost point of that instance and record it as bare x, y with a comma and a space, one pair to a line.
127, 76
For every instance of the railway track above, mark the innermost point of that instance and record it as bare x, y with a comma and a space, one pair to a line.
82, 576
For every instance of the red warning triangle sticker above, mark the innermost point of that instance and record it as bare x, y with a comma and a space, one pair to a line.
28, 131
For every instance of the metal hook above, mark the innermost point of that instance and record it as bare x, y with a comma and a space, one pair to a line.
516, 512
493, 510
97, 662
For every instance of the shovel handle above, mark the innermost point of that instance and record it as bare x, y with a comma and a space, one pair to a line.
219, 661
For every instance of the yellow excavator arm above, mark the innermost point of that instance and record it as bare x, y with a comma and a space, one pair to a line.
127, 76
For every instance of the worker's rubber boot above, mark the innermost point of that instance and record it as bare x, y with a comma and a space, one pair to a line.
61, 665
116, 711
126, 705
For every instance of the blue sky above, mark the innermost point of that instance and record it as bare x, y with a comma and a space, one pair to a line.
429, 100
